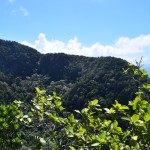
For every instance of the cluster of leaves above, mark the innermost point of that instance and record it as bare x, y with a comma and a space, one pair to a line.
9, 127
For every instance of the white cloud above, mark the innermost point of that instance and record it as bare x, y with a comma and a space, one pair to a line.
27, 43
24, 11
21, 9
124, 47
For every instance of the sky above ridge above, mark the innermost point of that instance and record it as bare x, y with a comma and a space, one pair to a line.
119, 28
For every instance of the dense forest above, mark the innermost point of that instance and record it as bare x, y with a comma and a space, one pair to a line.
76, 79
83, 84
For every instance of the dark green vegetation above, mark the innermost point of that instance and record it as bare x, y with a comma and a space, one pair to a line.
46, 125
37, 120
76, 79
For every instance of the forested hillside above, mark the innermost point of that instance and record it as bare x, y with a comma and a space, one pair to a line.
76, 79
85, 103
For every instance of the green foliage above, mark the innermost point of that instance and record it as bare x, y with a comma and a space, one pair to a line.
9, 127
86, 129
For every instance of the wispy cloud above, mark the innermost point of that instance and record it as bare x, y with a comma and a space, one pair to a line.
11, 1
24, 11
124, 47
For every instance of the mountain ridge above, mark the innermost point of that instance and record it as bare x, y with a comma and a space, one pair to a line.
76, 78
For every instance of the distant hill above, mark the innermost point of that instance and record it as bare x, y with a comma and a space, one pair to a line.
76, 79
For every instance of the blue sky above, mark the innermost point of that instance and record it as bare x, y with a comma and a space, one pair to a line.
118, 28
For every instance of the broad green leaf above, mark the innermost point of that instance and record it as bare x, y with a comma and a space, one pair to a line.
71, 117
58, 103
70, 135
116, 146
30, 114
144, 73
77, 111
18, 103
112, 111
29, 119
118, 129
126, 134
94, 102
135, 117
69, 130
16, 126
95, 144
55, 96
43, 91
146, 86
134, 137
144, 104
37, 107
109, 111
115, 123
43, 100
136, 71
117, 105
130, 65
148, 109
61, 108
5, 125
147, 118
72, 148
107, 122
137, 99
124, 107
103, 140
102, 135
126, 118
81, 129
49, 103
85, 110
37, 89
